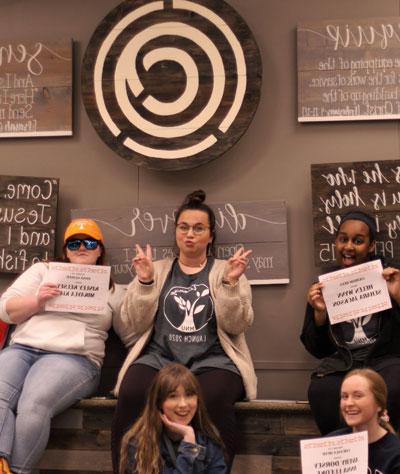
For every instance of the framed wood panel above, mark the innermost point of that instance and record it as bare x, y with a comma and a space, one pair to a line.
171, 84
370, 186
28, 213
35, 88
260, 226
348, 70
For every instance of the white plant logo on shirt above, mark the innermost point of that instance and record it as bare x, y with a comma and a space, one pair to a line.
188, 309
360, 337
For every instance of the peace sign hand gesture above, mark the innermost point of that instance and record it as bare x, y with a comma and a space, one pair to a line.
143, 264
235, 266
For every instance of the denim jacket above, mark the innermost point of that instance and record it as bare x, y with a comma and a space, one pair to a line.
203, 457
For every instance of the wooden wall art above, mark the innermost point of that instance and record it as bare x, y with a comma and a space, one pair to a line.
35, 88
370, 186
349, 70
171, 84
28, 213
260, 226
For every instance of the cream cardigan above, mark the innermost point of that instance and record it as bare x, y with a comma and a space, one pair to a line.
233, 312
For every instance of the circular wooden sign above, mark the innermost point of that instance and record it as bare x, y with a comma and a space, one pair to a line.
171, 84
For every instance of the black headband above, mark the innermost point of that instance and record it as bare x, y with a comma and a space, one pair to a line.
363, 217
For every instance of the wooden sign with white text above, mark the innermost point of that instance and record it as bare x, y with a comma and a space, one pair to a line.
348, 70
28, 211
35, 88
171, 85
370, 186
260, 226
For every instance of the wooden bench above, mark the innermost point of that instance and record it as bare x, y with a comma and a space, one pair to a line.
270, 431
270, 434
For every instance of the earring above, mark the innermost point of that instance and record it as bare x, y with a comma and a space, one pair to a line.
385, 417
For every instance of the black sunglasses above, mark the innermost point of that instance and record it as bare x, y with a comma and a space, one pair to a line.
90, 244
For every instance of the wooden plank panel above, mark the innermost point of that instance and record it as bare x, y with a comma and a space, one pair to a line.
300, 426
370, 186
261, 443
72, 460
246, 464
259, 225
35, 88
348, 69
253, 422
286, 465
218, 65
28, 212
80, 440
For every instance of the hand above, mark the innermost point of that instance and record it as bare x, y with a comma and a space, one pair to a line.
316, 300
392, 277
186, 432
143, 264
236, 265
46, 292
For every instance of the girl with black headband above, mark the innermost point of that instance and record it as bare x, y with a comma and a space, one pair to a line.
368, 341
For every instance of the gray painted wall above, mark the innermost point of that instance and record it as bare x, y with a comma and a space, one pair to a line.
271, 161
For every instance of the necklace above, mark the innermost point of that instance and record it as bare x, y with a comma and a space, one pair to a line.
199, 265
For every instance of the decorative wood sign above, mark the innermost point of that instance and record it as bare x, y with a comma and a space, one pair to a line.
28, 211
349, 70
370, 186
35, 89
171, 84
260, 226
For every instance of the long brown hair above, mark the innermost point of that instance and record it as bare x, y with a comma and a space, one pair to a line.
379, 390
146, 431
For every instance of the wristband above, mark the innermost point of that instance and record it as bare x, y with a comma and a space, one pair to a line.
146, 282
227, 282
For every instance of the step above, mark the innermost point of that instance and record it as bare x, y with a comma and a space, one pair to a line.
270, 433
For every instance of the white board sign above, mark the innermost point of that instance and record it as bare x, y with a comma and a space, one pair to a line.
335, 454
84, 288
355, 291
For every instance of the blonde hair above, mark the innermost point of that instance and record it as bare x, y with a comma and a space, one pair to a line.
379, 390
146, 431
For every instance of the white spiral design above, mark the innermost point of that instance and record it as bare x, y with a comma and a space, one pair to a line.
127, 81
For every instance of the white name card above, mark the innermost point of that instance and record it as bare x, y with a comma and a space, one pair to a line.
84, 288
355, 291
335, 454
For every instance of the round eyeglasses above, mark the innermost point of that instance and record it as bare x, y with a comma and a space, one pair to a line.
197, 229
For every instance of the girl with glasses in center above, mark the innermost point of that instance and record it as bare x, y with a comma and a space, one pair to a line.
193, 309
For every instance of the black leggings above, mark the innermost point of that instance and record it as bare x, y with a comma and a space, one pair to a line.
220, 389
324, 398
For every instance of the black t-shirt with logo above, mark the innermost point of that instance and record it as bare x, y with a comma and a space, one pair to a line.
360, 333
185, 328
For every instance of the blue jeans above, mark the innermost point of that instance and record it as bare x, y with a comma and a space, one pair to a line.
35, 385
